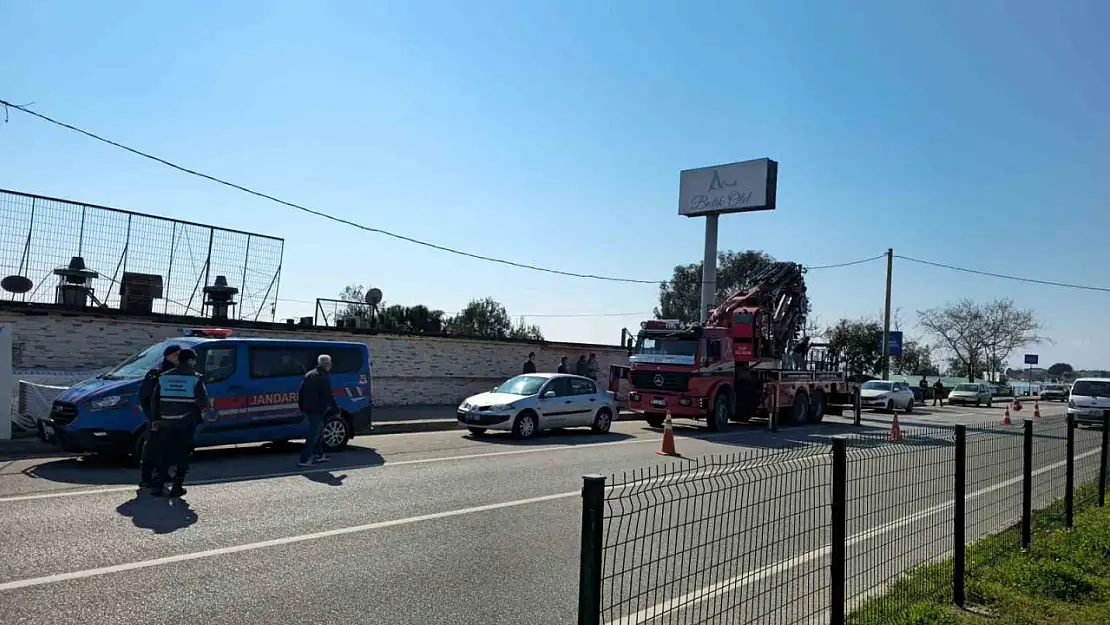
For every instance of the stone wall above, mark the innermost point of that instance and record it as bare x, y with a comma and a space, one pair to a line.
407, 370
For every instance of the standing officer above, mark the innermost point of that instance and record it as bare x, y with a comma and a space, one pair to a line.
179, 401
153, 447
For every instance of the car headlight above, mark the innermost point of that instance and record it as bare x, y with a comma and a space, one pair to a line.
503, 407
465, 406
881, 396
105, 403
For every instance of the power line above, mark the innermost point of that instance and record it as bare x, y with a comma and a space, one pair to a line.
848, 264
24, 109
1003, 276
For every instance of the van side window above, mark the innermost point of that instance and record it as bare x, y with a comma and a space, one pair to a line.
276, 361
216, 364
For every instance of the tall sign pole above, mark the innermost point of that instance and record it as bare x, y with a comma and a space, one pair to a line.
712, 191
709, 267
886, 315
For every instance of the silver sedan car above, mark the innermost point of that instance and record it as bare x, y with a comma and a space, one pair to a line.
529, 403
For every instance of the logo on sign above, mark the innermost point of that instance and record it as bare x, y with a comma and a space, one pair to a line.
272, 399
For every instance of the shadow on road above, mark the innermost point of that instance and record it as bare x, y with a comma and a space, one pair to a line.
161, 515
326, 477
217, 465
551, 437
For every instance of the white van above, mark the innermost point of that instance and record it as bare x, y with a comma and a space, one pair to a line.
1089, 398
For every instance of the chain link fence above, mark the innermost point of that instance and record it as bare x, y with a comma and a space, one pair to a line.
39, 235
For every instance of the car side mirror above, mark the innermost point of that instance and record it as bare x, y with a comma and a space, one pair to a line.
548, 394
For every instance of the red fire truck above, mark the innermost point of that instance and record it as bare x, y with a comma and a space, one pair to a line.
747, 361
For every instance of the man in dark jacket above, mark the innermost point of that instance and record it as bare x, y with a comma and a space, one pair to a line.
530, 364
316, 402
562, 365
179, 403
152, 448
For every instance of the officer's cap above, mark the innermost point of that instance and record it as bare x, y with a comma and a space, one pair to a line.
186, 355
169, 351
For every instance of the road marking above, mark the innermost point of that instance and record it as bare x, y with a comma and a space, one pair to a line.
198, 555
708, 592
399, 463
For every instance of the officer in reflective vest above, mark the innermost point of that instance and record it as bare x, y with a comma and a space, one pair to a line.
180, 400
152, 448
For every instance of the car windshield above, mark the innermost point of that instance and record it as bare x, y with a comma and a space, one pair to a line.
876, 385
522, 385
660, 346
969, 388
1091, 388
137, 365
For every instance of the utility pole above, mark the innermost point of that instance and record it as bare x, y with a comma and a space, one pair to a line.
886, 315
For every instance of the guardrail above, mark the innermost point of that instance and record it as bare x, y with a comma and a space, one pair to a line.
819, 531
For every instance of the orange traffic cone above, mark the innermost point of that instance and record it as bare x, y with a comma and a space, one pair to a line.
667, 447
1036, 410
1006, 416
895, 429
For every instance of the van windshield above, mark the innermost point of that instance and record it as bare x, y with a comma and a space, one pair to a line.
1091, 388
137, 365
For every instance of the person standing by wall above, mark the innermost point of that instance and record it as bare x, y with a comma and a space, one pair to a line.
938, 393
179, 401
154, 440
316, 401
592, 367
562, 365
530, 364
581, 366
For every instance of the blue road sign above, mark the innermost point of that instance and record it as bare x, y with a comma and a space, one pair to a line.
1031, 359
895, 343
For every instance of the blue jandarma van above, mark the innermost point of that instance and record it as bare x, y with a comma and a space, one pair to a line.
253, 384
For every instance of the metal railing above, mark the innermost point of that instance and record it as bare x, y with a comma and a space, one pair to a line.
824, 532
39, 234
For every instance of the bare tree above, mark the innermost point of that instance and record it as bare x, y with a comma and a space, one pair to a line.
1007, 328
978, 335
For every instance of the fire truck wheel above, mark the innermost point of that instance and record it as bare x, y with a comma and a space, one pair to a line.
800, 410
817, 407
654, 420
721, 413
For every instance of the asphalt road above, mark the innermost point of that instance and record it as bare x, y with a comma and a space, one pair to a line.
441, 528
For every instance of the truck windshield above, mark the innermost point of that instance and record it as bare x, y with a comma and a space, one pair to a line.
137, 365
665, 346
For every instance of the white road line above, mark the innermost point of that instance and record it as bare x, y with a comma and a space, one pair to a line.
708, 592
399, 463
186, 557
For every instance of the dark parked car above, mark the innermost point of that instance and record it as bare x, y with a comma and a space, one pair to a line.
1054, 392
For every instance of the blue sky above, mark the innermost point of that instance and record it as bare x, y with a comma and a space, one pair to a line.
553, 133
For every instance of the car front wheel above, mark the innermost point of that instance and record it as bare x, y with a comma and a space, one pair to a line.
525, 425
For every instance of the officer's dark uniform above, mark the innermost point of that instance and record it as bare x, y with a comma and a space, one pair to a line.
179, 401
153, 445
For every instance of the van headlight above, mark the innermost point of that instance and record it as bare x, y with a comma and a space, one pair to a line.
105, 403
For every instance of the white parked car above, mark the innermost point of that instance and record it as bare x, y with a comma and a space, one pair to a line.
971, 393
884, 395
1088, 398
532, 402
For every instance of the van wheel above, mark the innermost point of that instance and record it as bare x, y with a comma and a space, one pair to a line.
336, 433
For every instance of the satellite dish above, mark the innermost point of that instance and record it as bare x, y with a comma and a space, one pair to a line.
374, 296
16, 284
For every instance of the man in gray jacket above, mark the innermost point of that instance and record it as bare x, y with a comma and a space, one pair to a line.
316, 402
